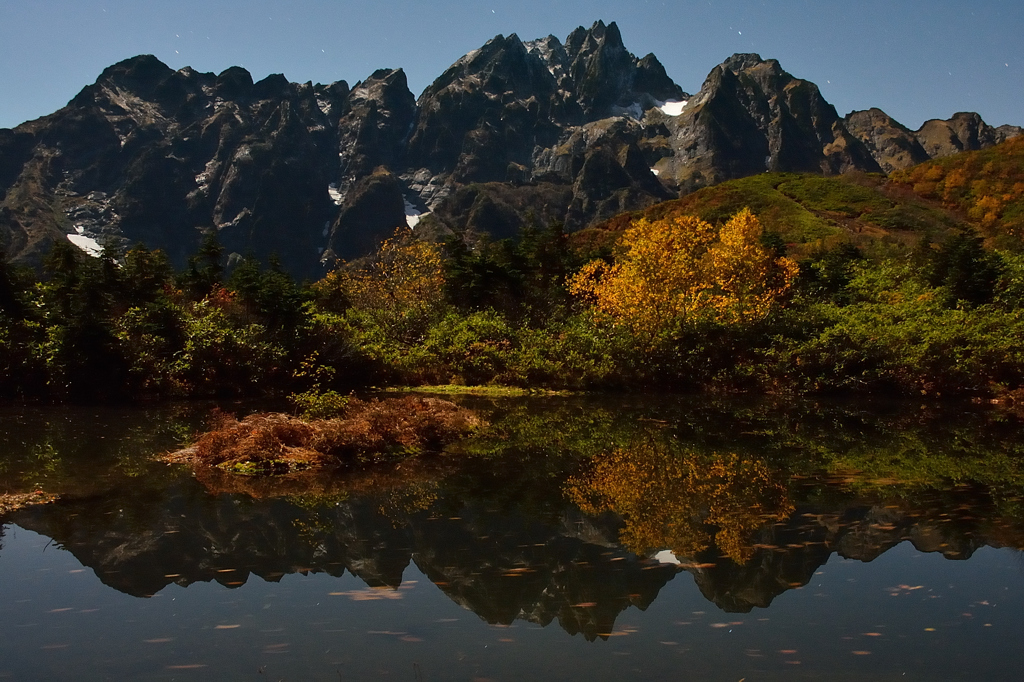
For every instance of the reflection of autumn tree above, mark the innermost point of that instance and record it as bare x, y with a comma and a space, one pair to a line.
683, 501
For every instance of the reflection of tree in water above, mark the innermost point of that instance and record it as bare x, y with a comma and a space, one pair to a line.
683, 501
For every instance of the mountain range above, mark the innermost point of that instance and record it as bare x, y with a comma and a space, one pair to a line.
575, 131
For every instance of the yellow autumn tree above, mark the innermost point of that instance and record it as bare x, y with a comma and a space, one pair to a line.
747, 277
671, 270
405, 275
659, 277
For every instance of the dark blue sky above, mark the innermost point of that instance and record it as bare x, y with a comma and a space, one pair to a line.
914, 59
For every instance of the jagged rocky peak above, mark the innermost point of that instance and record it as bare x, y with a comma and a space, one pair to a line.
652, 78
501, 65
552, 53
891, 144
751, 116
744, 61
141, 74
234, 83
388, 89
377, 117
608, 79
964, 131
485, 115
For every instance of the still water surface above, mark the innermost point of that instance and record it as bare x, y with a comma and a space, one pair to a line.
666, 539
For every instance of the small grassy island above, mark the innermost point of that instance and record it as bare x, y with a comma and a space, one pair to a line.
364, 432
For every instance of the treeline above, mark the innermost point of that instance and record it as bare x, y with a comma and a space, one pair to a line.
677, 304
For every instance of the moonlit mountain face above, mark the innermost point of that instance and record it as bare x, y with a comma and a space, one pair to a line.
574, 131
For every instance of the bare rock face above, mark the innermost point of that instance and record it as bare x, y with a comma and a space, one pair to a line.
374, 209
965, 131
891, 144
376, 119
751, 116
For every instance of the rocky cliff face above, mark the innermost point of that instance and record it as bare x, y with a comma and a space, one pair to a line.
891, 144
575, 131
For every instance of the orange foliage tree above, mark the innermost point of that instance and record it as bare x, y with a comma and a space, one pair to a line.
673, 270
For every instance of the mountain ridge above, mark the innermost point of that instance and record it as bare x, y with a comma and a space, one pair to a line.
576, 131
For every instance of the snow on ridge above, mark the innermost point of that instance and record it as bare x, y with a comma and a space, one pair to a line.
672, 108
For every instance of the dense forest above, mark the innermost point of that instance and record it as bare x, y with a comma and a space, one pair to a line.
779, 283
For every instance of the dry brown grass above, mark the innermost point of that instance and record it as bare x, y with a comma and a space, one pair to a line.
13, 501
366, 432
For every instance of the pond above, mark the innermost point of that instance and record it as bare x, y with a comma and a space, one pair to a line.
577, 538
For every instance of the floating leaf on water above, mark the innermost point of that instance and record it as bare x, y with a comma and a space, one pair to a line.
159, 640
227, 627
861, 653
871, 634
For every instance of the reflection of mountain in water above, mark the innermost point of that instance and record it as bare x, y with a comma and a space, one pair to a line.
502, 566
789, 553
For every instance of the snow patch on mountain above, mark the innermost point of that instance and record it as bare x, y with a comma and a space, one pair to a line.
672, 108
86, 244
412, 215
335, 194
